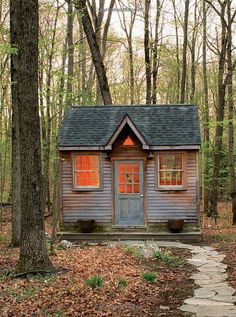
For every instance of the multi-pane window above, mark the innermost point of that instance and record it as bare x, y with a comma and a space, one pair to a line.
87, 171
170, 170
128, 175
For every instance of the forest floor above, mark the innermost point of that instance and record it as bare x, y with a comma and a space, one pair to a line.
123, 291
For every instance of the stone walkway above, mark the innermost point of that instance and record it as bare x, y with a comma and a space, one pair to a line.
214, 297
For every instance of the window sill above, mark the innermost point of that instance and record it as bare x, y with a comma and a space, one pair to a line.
87, 189
171, 189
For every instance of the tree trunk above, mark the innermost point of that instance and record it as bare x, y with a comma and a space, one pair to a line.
70, 46
177, 51
147, 52
206, 113
33, 252
16, 181
95, 51
184, 57
231, 114
219, 117
155, 61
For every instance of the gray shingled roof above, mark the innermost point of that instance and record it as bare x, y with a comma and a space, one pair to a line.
159, 124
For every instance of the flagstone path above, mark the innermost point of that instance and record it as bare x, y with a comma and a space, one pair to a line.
214, 297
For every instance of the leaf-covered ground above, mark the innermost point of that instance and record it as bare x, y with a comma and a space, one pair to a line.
66, 294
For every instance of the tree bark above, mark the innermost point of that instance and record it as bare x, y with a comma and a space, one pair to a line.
231, 114
220, 111
16, 181
70, 47
206, 112
147, 52
95, 51
155, 50
184, 56
33, 252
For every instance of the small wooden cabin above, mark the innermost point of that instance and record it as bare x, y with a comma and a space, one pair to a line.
130, 167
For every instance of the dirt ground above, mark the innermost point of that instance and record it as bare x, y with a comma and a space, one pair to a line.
124, 292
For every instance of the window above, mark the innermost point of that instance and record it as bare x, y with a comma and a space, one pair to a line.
87, 171
170, 170
128, 178
128, 142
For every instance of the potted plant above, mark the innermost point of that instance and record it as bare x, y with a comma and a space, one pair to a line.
86, 226
176, 225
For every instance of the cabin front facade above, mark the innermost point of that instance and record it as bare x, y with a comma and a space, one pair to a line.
130, 167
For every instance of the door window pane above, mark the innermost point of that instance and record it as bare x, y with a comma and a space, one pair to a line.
128, 177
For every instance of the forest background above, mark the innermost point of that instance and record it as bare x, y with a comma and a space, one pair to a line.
153, 51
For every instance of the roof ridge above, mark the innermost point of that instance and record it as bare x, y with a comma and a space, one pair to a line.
138, 106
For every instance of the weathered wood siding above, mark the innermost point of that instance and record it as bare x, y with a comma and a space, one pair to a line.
86, 204
164, 205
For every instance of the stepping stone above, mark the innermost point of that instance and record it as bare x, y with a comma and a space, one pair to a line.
225, 298
219, 311
204, 293
205, 302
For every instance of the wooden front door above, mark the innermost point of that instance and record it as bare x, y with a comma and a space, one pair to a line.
129, 193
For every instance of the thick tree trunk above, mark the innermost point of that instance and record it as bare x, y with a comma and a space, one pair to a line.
33, 252
95, 51
16, 180
184, 57
147, 52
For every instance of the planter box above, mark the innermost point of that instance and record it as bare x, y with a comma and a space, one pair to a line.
86, 226
176, 225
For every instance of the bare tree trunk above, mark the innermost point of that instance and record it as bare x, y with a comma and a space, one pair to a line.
177, 51
193, 54
16, 188
95, 51
33, 252
147, 52
231, 114
206, 112
155, 60
219, 116
70, 46
184, 57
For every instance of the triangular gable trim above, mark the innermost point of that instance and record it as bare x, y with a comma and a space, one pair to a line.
127, 120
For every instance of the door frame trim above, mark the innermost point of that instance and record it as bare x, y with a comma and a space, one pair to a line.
129, 158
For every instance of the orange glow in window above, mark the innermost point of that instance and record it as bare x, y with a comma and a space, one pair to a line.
87, 173
128, 142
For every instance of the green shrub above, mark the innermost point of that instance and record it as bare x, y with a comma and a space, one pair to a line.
149, 276
122, 282
94, 281
168, 258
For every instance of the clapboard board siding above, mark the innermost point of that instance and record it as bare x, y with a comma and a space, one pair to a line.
162, 206
86, 204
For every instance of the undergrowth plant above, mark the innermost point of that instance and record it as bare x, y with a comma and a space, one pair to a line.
122, 282
168, 258
95, 281
149, 276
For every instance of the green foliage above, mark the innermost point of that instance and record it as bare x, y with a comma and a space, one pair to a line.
149, 276
133, 250
121, 282
95, 281
168, 258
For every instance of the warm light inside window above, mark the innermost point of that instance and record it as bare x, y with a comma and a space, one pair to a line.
87, 171
129, 178
170, 170
128, 141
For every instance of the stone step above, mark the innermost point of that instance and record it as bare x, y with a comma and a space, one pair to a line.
103, 236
